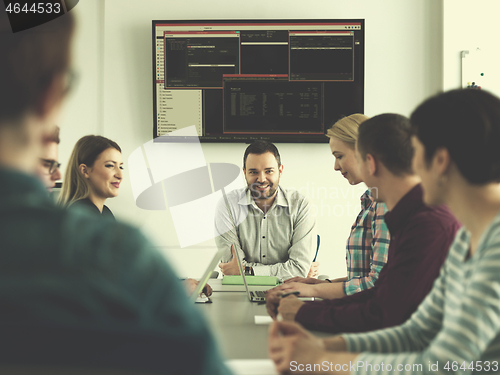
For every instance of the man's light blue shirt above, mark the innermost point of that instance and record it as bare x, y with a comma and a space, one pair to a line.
280, 242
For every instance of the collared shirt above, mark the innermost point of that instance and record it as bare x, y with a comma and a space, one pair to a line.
93, 293
420, 239
367, 246
457, 326
281, 242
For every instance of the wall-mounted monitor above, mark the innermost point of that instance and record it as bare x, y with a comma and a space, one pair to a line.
242, 80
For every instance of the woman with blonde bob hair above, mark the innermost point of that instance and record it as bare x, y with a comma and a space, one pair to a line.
368, 242
94, 174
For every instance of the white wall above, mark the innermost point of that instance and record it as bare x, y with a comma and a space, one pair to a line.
403, 66
82, 113
468, 25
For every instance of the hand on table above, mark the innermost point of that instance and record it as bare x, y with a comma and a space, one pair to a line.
306, 290
207, 290
286, 307
272, 302
304, 280
289, 341
190, 285
231, 267
314, 270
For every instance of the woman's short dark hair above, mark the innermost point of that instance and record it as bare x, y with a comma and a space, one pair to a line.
467, 123
388, 138
259, 148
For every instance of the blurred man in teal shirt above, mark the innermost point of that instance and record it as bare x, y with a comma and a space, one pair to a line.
76, 291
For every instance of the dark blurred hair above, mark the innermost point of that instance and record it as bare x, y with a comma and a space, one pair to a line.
30, 60
388, 138
86, 151
54, 136
261, 147
467, 123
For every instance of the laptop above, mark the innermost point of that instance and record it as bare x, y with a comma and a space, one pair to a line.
253, 296
203, 281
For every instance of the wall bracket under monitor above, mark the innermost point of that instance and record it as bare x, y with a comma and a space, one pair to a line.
242, 80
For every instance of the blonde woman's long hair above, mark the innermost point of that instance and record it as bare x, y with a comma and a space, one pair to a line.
86, 151
346, 129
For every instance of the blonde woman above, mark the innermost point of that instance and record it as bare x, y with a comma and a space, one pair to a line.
368, 243
94, 174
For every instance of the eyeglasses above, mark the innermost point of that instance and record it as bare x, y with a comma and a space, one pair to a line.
51, 165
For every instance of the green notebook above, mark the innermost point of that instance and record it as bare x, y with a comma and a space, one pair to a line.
251, 280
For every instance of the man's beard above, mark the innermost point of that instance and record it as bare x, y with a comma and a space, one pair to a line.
257, 194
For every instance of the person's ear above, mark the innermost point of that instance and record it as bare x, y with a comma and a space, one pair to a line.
441, 162
371, 164
84, 170
281, 169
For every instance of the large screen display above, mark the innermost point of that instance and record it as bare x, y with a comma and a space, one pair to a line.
242, 80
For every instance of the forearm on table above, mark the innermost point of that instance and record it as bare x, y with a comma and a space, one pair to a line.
328, 290
378, 261
339, 280
367, 282
358, 284
335, 344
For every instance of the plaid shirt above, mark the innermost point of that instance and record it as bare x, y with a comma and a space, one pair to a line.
367, 246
